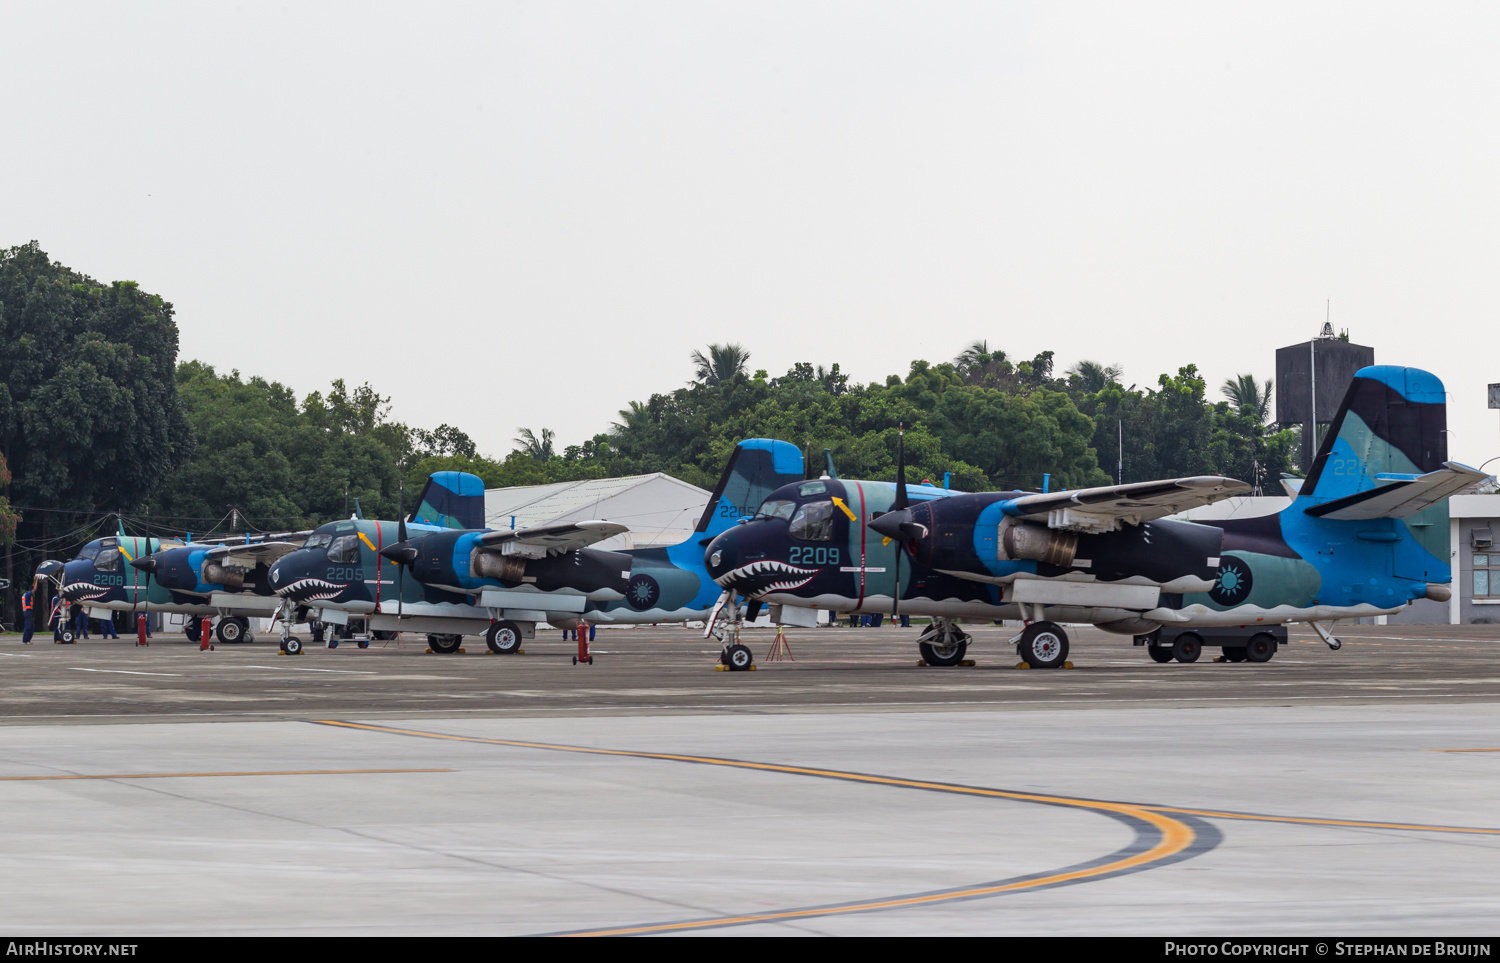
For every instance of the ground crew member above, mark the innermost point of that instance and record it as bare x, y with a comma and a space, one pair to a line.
28, 625
80, 622
107, 629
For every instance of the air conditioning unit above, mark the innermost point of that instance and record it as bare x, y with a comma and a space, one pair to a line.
1481, 537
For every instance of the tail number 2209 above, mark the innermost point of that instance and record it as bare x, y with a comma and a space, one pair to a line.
808, 555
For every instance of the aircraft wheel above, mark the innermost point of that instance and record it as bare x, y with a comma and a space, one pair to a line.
68, 637
1159, 653
291, 645
1234, 653
382, 636
231, 631
1187, 648
944, 653
445, 644
503, 638
1044, 645
737, 657
1260, 648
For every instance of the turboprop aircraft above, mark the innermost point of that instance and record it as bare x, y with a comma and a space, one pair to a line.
125, 573
359, 568
1355, 542
231, 577
501, 583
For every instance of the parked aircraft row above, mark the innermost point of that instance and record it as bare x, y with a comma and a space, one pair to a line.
1364, 535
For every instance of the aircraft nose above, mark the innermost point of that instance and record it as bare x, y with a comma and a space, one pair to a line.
721, 553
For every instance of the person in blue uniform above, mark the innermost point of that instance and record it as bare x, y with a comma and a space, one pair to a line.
28, 623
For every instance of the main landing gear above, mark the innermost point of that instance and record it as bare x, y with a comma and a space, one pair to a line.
232, 630
1043, 645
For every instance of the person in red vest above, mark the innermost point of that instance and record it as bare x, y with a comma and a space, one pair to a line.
28, 625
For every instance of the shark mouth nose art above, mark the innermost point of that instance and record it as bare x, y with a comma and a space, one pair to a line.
309, 590
758, 578
83, 591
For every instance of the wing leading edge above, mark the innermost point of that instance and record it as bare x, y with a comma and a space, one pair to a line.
1105, 509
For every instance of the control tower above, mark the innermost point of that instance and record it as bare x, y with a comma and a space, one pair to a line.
1311, 379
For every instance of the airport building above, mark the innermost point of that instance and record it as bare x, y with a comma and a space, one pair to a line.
659, 509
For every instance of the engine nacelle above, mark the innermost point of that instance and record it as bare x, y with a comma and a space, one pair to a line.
231, 578
486, 563
1023, 540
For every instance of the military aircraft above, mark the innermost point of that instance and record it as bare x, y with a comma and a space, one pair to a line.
469, 580
137, 573
230, 577
1355, 542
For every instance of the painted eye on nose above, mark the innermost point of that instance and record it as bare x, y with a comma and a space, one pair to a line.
714, 559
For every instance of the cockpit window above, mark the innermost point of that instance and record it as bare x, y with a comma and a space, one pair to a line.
776, 509
319, 541
91, 550
344, 550
813, 522
108, 560
812, 488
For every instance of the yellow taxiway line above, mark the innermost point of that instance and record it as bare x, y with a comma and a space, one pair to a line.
1175, 835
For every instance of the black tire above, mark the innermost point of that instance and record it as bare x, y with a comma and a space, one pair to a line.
1187, 648
1260, 648
193, 630
292, 645
363, 643
947, 653
1234, 653
1044, 645
68, 637
1159, 653
231, 631
445, 644
738, 657
503, 638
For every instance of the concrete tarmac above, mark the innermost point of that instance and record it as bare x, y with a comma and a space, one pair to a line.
389, 791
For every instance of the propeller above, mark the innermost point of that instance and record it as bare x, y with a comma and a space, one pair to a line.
899, 505
898, 524
146, 563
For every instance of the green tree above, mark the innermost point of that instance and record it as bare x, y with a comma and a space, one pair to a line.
724, 362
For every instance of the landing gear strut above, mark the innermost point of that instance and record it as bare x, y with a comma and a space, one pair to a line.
724, 624
943, 644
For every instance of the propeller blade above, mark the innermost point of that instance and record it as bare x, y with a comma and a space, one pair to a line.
408, 554
901, 500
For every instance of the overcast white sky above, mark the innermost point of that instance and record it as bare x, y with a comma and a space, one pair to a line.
507, 214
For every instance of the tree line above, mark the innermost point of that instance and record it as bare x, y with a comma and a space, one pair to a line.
99, 419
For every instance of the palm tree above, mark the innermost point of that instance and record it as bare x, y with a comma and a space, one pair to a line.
1095, 376
976, 355
1250, 399
722, 363
538, 448
630, 417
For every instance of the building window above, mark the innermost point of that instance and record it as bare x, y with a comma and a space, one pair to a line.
1486, 576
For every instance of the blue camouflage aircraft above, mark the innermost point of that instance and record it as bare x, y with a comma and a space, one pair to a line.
469, 580
1365, 535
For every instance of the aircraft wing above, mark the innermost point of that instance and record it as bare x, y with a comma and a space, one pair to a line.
1104, 509
551, 539
1400, 496
248, 556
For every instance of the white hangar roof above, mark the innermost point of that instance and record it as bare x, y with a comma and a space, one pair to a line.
660, 509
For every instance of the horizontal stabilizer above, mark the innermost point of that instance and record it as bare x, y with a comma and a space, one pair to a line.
1400, 497
1103, 509
553, 539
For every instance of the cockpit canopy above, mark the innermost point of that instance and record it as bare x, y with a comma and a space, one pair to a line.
810, 517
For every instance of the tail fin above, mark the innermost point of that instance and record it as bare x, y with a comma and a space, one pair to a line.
757, 467
452, 499
1392, 423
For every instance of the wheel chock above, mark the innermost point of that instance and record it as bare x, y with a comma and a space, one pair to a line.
463, 651
721, 668
967, 662
753, 667
1023, 665
429, 651
1220, 658
1067, 665
921, 663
